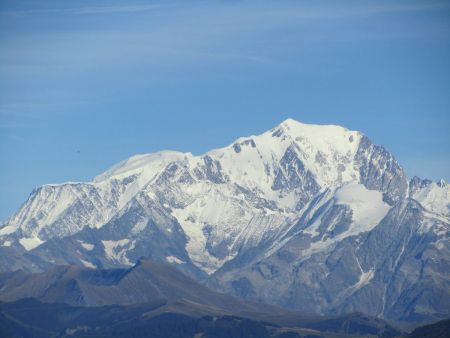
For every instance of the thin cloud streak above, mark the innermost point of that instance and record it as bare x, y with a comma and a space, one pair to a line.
26, 114
190, 36
343, 12
89, 10
299, 11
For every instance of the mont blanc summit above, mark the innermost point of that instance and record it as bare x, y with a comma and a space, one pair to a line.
311, 217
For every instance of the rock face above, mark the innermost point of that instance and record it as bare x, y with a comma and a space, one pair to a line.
315, 218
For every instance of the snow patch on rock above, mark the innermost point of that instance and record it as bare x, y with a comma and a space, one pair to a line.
173, 259
368, 207
30, 242
115, 250
88, 264
87, 246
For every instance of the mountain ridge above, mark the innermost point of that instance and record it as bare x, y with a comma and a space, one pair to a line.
296, 216
86, 299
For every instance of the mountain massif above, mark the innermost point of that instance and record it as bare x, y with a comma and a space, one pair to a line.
307, 217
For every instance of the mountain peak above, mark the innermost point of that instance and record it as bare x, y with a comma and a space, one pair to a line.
290, 122
296, 127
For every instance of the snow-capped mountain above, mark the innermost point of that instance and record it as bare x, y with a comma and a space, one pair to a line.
305, 216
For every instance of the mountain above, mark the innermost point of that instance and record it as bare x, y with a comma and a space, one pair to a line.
150, 299
146, 282
308, 217
440, 329
31, 318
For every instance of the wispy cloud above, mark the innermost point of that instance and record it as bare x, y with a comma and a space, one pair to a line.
88, 10
117, 9
300, 9
213, 32
209, 33
250, 34
14, 115
315, 12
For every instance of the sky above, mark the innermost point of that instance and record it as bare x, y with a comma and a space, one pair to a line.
86, 84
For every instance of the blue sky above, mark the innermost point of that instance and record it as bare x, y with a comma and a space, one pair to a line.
85, 84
